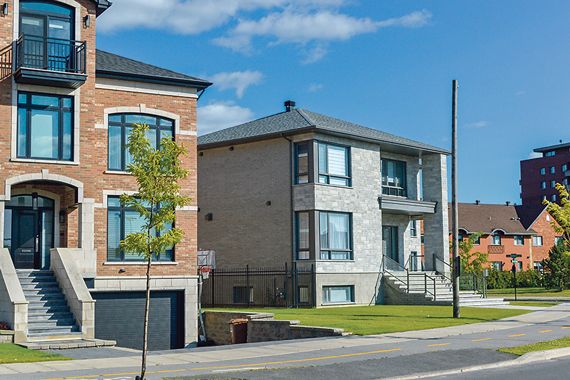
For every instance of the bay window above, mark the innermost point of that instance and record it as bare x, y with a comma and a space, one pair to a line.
45, 127
335, 236
122, 221
334, 167
120, 127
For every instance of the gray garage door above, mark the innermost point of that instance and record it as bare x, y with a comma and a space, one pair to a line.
120, 316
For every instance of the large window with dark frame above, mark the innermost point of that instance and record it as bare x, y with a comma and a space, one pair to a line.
45, 127
334, 164
302, 162
120, 127
394, 178
302, 240
335, 231
122, 221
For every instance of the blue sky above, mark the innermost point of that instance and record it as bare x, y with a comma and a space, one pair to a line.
386, 64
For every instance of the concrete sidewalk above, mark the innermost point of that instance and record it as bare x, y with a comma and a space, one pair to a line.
260, 350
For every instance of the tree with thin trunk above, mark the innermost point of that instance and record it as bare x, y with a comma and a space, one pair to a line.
157, 172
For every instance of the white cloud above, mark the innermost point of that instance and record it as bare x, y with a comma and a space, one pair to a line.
478, 124
220, 115
311, 27
237, 80
315, 87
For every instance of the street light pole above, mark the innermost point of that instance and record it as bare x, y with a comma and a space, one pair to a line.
454, 206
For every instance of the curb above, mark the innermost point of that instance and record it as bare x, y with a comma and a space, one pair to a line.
531, 357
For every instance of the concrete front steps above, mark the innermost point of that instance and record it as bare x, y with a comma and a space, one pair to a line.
397, 292
51, 325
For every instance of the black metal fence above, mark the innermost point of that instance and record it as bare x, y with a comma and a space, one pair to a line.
288, 286
51, 54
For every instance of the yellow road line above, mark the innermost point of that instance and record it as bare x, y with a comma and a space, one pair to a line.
516, 335
438, 345
565, 327
297, 360
545, 331
237, 366
481, 340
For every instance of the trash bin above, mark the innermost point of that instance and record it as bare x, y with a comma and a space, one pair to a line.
238, 330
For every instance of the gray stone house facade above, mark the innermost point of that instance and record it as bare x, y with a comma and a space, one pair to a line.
301, 187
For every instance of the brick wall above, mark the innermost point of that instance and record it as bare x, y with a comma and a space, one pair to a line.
543, 227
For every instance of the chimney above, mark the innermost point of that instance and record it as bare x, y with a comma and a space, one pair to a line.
507, 203
289, 105
477, 202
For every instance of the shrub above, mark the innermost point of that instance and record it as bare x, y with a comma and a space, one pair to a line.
504, 279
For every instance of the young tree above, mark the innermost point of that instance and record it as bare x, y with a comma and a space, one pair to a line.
560, 212
472, 262
158, 172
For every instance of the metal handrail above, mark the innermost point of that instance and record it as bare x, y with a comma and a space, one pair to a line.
407, 265
54, 54
434, 294
435, 260
407, 283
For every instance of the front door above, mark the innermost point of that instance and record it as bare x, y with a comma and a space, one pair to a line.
390, 243
25, 239
28, 230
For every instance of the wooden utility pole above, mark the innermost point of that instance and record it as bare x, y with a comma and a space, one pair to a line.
454, 212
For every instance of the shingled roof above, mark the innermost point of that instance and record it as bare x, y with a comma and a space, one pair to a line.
109, 65
301, 121
486, 218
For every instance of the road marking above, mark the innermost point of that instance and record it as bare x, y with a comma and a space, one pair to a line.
438, 345
565, 327
481, 340
318, 358
545, 331
516, 335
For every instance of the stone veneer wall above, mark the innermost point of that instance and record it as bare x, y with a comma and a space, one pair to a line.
6, 336
261, 327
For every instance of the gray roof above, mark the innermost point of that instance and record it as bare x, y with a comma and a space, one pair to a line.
115, 66
300, 121
102, 5
552, 147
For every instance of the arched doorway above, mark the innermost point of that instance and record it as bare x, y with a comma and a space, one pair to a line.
29, 230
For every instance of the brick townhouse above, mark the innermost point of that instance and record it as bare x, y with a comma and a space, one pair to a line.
509, 229
66, 110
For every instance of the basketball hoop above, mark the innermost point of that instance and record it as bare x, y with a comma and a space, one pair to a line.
205, 271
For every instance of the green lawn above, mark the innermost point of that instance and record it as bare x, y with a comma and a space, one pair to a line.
369, 320
540, 346
531, 303
528, 292
11, 353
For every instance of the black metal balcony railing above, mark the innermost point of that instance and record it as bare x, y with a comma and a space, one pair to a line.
53, 54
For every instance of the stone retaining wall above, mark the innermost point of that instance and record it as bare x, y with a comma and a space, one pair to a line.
261, 327
6, 336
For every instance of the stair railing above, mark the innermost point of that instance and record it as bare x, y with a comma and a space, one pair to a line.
388, 260
443, 273
426, 291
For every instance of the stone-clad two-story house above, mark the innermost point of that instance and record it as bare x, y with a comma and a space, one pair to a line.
305, 188
66, 110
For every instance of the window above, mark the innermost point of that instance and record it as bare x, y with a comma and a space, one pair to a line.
542, 171
303, 294
557, 240
553, 198
477, 241
45, 127
552, 184
564, 168
552, 169
334, 163
303, 232
496, 239
120, 127
538, 266
537, 241
543, 185
338, 294
520, 265
497, 265
335, 236
544, 198
394, 178
551, 153
413, 228
302, 162
241, 295
122, 221
519, 240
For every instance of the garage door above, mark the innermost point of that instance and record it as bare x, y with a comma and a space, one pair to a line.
120, 316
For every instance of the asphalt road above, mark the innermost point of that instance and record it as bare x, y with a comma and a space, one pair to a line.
344, 361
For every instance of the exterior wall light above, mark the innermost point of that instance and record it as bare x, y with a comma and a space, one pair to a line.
87, 21
5, 9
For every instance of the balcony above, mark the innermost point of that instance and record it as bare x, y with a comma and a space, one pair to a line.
496, 249
405, 206
50, 61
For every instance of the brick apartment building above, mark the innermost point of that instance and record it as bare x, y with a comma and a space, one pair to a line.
508, 229
539, 176
66, 110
